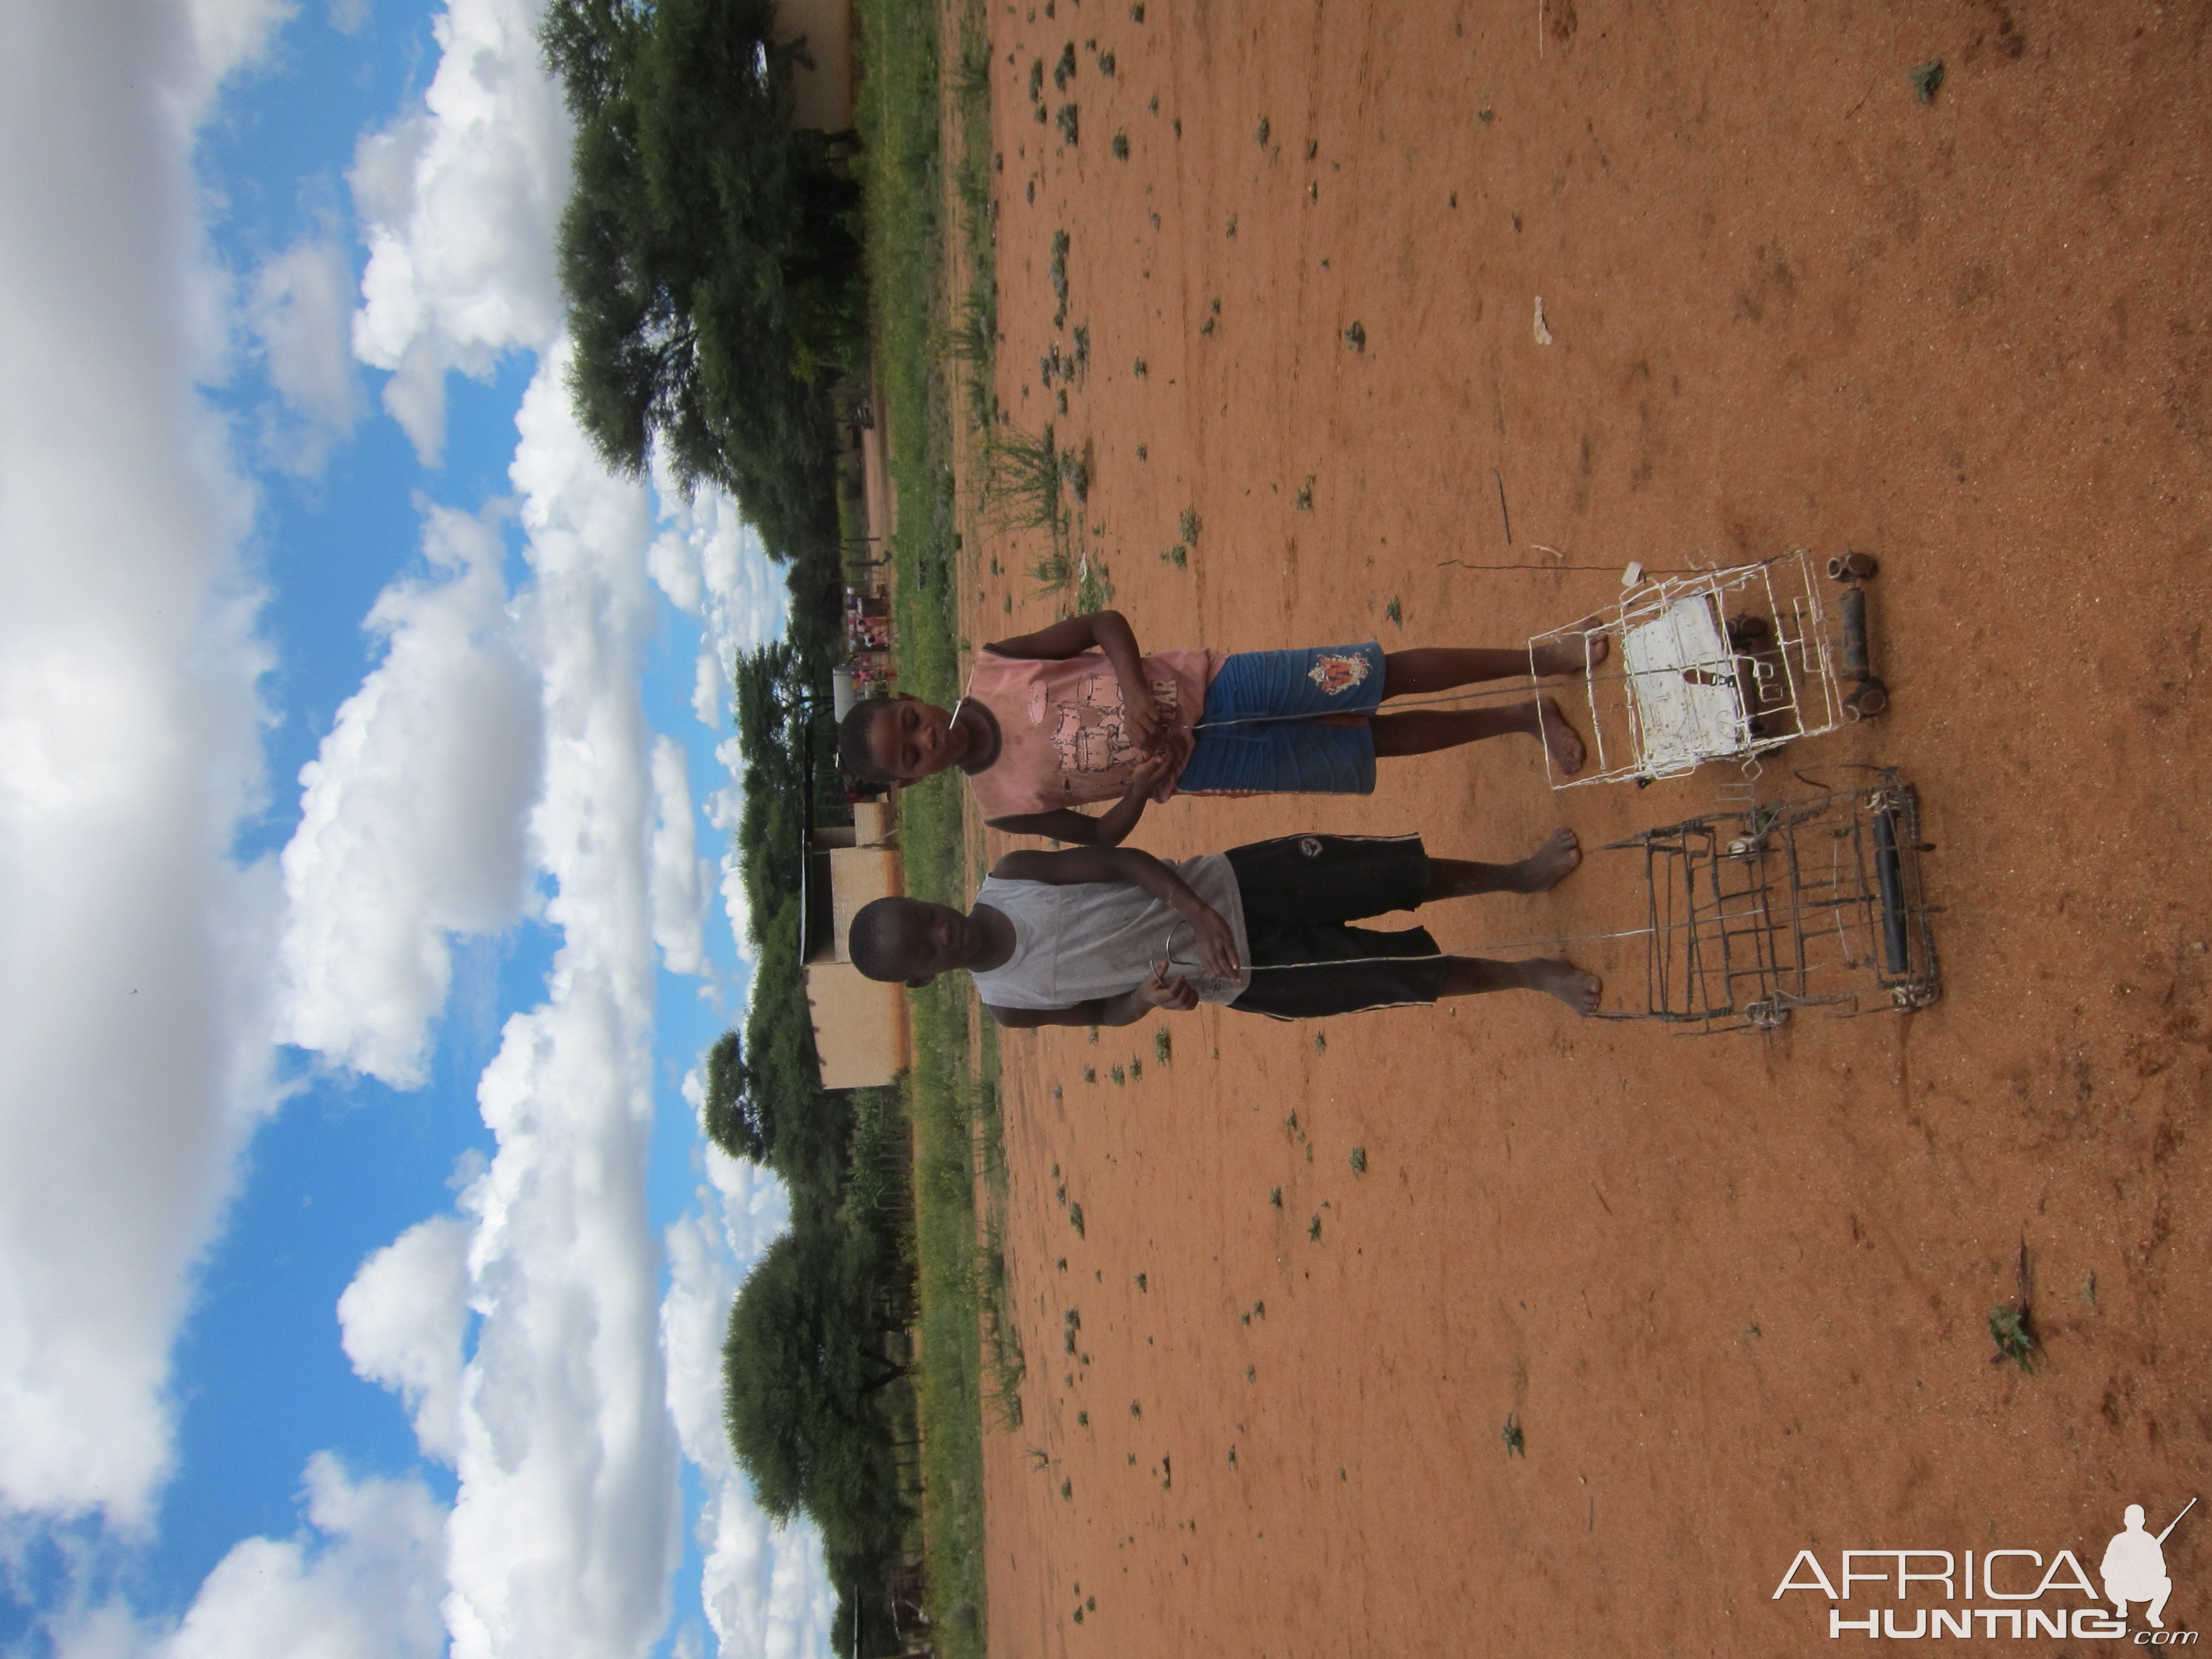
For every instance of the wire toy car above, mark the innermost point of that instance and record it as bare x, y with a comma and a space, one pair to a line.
1815, 900
1721, 665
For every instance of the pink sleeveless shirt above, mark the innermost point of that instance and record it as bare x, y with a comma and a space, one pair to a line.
1060, 737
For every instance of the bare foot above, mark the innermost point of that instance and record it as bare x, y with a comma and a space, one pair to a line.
1560, 740
1577, 989
1547, 867
1583, 645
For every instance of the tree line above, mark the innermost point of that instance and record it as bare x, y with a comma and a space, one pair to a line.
710, 261
813, 1378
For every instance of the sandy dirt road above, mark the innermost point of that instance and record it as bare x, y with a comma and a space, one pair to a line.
1732, 1292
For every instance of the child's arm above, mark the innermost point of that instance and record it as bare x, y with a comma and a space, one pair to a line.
1076, 866
1110, 828
1108, 633
1160, 991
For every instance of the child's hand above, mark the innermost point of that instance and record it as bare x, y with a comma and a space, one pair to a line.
1175, 744
1141, 718
1217, 946
1173, 992
1146, 777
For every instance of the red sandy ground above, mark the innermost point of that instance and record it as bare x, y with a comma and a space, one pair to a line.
1734, 1290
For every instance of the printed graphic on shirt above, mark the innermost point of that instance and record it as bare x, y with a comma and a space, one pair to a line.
1088, 730
1335, 674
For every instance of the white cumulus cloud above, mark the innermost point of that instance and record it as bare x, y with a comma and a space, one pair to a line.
567, 1523
360, 1580
765, 1588
299, 306
414, 812
679, 876
133, 989
226, 35
404, 1320
460, 199
367, 1588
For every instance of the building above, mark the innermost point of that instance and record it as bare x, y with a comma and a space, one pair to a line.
823, 93
861, 1030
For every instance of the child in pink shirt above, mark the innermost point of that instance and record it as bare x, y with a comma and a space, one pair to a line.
1074, 714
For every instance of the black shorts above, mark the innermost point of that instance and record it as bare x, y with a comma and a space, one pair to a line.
1299, 891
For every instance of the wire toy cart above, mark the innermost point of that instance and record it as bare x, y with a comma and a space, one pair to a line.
1720, 665
1812, 902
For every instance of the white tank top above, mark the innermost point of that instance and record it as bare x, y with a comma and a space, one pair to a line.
1102, 939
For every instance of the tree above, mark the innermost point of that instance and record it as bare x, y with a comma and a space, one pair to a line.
737, 1118
801, 1369
707, 254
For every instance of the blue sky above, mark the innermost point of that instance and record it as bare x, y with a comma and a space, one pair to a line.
361, 1266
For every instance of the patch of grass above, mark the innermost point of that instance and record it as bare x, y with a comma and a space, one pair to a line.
1313, 1229
1075, 1219
1358, 1160
1163, 1046
1302, 502
1516, 1444
1178, 555
1355, 336
1261, 132
1275, 1196
1094, 590
1927, 79
1106, 64
1188, 525
971, 340
1396, 611
971, 1364
972, 76
1058, 272
1121, 145
1021, 485
1069, 121
2010, 1329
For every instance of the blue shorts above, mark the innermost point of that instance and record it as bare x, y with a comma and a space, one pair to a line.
1289, 723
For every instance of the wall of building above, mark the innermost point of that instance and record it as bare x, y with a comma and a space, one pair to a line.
824, 93
860, 1026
